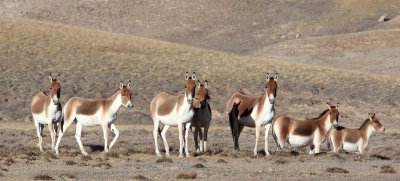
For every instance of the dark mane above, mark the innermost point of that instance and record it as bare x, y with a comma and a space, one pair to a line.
321, 115
365, 122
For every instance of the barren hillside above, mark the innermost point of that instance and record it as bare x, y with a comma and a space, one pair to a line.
92, 63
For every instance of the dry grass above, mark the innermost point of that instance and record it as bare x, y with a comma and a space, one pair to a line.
221, 161
186, 176
9, 161
387, 169
336, 170
103, 164
67, 176
42, 177
164, 160
140, 177
199, 165
70, 162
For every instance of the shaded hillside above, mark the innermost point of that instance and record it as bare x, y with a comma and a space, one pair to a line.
225, 25
93, 62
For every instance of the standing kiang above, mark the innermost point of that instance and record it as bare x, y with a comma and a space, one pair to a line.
253, 111
173, 110
202, 116
94, 112
301, 133
46, 110
355, 139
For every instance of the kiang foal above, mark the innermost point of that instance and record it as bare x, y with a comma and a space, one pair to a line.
355, 139
300, 133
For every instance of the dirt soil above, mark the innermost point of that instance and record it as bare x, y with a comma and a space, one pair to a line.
133, 158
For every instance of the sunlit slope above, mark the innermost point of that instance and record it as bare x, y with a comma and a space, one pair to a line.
93, 62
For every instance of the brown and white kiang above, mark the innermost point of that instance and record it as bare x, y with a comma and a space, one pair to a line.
202, 116
46, 110
94, 112
355, 139
253, 111
173, 110
301, 133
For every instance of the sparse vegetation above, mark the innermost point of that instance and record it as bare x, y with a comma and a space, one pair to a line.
186, 176
387, 169
67, 176
42, 177
140, 177
164, 160
221, 161
70, 162
9, 161
281, 161
336, 170
199, 165
103, 164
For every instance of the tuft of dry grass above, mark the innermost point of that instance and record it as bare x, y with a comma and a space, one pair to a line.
67, 176
86, 158
221, 161
70, 162
186, 176
387, 169
281, 161
199, 165
49, 155
381, 157
103, 164
164, 160
140, 177
9, 161
336, 170
42, 177
112, 154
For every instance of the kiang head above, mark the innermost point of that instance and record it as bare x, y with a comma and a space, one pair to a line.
271, 87
190, 87
376, 124
334, 114
202, 92
55, 88
126, 95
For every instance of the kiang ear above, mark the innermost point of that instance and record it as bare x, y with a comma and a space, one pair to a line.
206, 84
198, 84
194, 76
370, 115
121, 85
186, 76
129, 85
50, 78
58, 77
329, 106
276, 76
267, 76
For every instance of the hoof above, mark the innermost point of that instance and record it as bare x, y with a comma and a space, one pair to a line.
84, 154
167, 155
187, 155
181, 156
159, 155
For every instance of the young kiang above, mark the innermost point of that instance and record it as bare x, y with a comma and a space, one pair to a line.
173, 110
301, 133
355, 139
202, 116
46, 110
88, 112
253, 111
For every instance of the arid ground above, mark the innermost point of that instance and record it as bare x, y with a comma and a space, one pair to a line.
324, 51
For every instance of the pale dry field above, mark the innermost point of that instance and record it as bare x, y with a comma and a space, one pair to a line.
133, 158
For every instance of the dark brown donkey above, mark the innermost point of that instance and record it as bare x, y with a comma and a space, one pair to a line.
202, 116
253, 111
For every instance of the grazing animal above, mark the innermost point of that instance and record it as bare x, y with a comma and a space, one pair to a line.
46, 110
300, 133
86, 112
354, 139
202, 116
253, 111
174, 111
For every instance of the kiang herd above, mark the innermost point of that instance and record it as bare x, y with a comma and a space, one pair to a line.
186, 111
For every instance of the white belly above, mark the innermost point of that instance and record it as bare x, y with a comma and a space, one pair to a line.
89, 120
53, 114
174, 119
350, 146
300, 141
